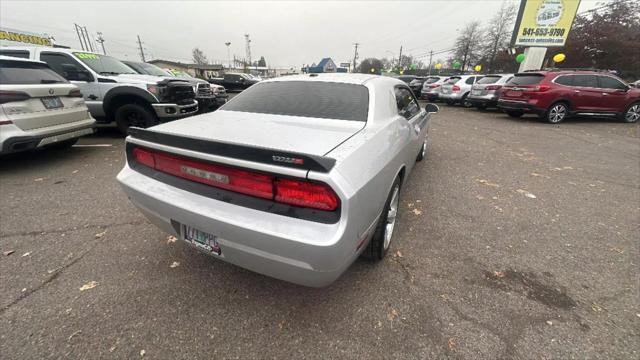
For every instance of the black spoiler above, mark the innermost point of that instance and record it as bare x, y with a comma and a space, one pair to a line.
237, 151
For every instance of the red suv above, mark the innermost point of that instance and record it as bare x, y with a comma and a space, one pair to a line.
556, 95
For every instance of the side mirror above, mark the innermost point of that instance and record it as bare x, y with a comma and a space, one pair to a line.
431, 108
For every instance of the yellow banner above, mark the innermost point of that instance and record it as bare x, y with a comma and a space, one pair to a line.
544, 23
24, 38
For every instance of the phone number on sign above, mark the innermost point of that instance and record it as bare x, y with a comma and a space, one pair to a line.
543, 32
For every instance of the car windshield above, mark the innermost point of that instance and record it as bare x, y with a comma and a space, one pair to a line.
526, 79
153, 70
27, 73
489, 79
103, 64
304, 98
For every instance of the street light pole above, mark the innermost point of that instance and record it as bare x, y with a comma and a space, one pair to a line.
228, 53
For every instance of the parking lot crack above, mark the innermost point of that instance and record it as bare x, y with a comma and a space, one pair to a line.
71, 229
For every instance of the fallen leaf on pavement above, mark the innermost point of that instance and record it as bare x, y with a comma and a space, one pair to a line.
392, 315
26, 254
38, 179
7, 253
100, 234
480, 197
452, 344
526, 193
281, 325
549, 322
418, 201
171, 239
410, 205
487, 182
74, 334
74, 171
142, 352
499, 274
174, 264
398, 254
595, 307
417, 212
89, 285
24, 289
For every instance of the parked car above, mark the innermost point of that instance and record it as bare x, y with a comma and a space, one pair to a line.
431, 87
38, 107
457, 89
112, 90
556, 95
407, 78
635, 84
209, 96
294, 178
416, 85
235, 81
486, 91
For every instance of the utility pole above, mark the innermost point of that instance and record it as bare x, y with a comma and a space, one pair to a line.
355, 56
430, 58
228, 53
88, 39
248, 49
78, 28
141, 49
100, 40
400, 58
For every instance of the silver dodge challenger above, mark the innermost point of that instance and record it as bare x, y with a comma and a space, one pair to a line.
294, 178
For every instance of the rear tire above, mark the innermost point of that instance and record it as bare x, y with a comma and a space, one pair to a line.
632, 114
381, 240
464, 101
423, 151
481, 107
450, 102
129, 115
557, 113
515, 113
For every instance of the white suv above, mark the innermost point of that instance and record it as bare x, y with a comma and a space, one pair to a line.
38, 107
457, 88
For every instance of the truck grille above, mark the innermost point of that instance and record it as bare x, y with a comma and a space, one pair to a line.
204, 90
179, 93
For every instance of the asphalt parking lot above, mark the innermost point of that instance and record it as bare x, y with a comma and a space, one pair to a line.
517, 240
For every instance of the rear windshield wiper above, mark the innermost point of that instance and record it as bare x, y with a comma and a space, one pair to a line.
48, 81
109, 73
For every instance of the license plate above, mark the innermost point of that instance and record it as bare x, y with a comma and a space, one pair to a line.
476, 92
514, 93
52, 102
201, 239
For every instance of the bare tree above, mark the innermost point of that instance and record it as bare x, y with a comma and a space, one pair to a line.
468, 44
199, 57
498, 32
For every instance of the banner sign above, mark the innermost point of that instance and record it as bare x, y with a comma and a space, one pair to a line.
544, 23
17, 36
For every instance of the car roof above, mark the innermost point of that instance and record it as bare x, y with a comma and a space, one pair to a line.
13, 58
347, 78
49, 48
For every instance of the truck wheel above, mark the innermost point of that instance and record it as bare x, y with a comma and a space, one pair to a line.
136, 115
379, 244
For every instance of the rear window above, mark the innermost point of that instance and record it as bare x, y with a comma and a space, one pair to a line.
27, 73
453, 80
526, 79
312, 99
432, 80
488, 80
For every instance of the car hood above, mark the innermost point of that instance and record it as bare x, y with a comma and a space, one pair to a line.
287, 133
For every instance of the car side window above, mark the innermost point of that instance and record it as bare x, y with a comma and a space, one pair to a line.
470, 80
66, 66
566, 80
407, 105
585, 81
607, 82
15, 53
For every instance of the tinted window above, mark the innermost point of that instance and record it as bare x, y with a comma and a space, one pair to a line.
470, 80
489, 80
608, 82
64, 65
407, 105
526, 79
406, 79
16, 72
566, 80
304, 98
431, 80
585, 81
453, 80
15, 53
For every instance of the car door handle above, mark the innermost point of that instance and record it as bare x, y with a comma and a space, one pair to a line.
605, 94
92, 97
576, 91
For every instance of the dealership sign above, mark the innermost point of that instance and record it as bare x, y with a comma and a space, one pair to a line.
10, 36
544, 23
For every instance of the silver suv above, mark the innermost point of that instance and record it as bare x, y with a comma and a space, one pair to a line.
486, 91
457, 88
431, 87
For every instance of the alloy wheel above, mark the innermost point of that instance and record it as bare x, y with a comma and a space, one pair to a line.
557, 113
392, 215
633, 114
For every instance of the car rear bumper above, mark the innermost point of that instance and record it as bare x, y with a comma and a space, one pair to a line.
431, 96
485, 100
14, 139
513, 105
174, 111
455, 96
299, 251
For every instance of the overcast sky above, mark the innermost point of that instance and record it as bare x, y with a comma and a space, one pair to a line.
286, 33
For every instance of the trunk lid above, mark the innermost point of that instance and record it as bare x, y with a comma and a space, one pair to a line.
297, 134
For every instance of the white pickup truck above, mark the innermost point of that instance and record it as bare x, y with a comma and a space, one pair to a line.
112, 90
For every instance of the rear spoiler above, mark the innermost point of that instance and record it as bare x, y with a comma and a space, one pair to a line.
237, 151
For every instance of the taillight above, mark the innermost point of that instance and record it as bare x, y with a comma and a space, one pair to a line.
541, 88
493, 87
294, 192
455, 88
306, 194
434, 86
75, 93
11, 96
